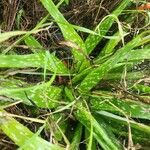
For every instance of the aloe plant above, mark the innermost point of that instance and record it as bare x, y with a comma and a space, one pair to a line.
101, 114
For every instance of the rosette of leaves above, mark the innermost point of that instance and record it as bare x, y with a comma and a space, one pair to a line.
103, 117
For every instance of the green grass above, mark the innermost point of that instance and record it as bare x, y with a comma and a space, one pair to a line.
103, 116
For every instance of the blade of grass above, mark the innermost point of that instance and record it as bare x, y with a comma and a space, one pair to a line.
93, 144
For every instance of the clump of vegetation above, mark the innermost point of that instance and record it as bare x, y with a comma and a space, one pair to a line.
84, 89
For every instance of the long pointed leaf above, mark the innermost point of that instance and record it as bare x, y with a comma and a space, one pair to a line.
103, 27
33, 60
69, 33
21, 134
98, 74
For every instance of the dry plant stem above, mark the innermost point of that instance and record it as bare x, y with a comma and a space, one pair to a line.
133, 96
5, 114
10, 105
10, 13
100, 6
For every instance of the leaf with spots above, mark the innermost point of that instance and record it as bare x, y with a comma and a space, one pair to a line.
104, 26
22, 136
98, 73
108, 102
120, 126
33, 60
103, 137
43, 95
133, 55
75, 143
137, 55
7, 35
144, 89
33, 44
69, 34
130, 75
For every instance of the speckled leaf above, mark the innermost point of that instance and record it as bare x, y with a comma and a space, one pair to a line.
5, 36
98, 74
131, 108
80, 76
109, 48
139, 131
111, 76
22, 135
86, 118
93, 40
69, 33
62, 122
33, 44
137, 54
145, 89
33, 60
99, 133
129, 76
43, 95
133, 55
76, 137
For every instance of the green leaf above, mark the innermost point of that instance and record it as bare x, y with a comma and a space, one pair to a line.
66, 1
21, 134
142, 89
139, 131
76, 138
91, 142
98, 73
104, 26
69, 33
42, 95
33, 44
129, 76
137, 55
101, 135
61, 121
108, 102
33, 60
5, 36
133, 55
